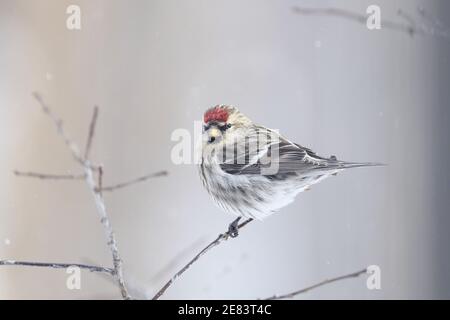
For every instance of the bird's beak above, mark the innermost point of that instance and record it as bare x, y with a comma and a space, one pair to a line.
214, 134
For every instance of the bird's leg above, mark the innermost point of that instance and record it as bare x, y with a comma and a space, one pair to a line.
233, 228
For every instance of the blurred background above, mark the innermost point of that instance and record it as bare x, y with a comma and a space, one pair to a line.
151, 66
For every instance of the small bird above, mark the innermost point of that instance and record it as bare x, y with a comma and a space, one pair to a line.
252, 171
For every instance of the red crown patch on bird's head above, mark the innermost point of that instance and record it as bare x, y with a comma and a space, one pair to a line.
218, 114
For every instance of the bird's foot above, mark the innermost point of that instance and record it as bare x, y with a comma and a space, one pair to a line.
233, 228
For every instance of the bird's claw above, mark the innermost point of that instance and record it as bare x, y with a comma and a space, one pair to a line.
233, 228
233, 231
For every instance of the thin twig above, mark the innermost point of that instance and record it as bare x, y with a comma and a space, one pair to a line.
91, 133
101, 208
100, 171
220, 238
53, 265
409, 28
45, 176
100, 180
59, 128
320, 284
104, 220
132, 182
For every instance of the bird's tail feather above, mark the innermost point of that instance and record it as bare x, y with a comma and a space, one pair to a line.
348, 165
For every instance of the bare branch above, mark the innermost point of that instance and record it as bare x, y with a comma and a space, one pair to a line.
331, 12
91, 133
101, 208
410, 27
132, 182
100, 180
96, 191
104, 220
45, 176
53, 265
100, 171
320, 284
60, 129
220, 238
357, 17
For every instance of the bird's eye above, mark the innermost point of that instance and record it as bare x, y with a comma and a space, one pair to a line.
225, 127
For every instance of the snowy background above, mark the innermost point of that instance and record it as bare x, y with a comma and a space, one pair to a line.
155, 66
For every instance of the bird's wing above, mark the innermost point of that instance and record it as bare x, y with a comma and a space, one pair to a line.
279, 154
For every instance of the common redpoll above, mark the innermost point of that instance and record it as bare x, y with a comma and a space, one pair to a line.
252, 171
